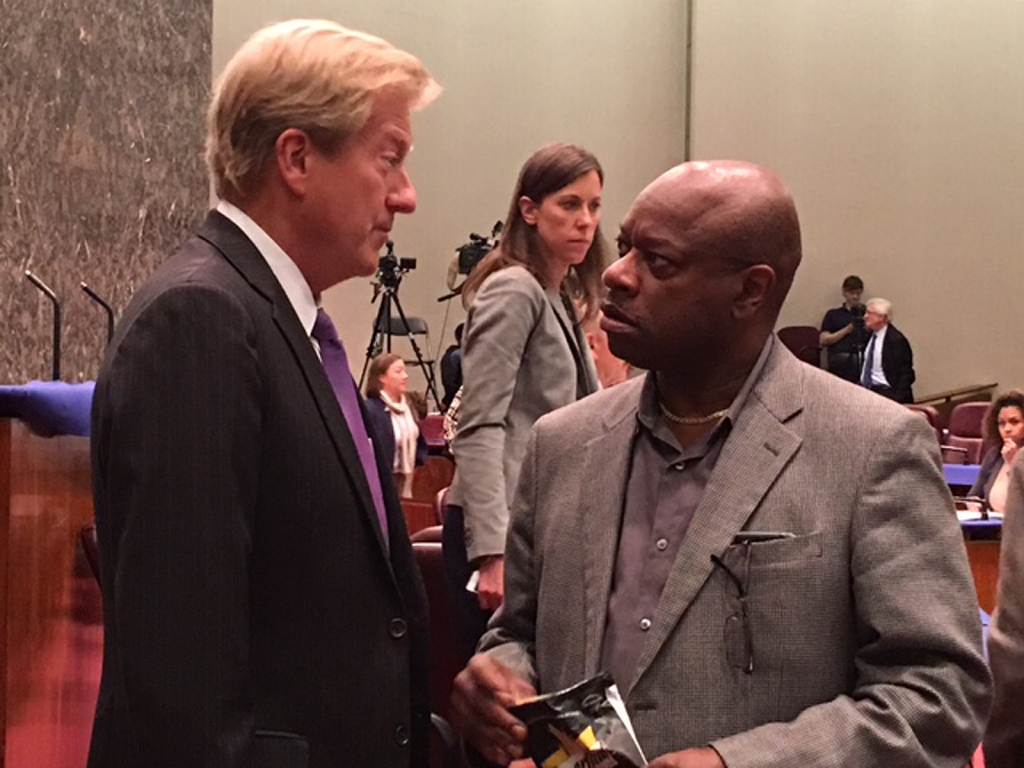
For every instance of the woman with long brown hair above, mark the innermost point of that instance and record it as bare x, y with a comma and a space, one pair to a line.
524, 355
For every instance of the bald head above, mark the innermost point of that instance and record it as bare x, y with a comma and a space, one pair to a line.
733, 213
708, 253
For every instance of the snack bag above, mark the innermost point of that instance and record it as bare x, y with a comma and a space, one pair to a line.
585, 726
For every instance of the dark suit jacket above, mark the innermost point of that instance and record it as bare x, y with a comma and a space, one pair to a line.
990, 466
380, 422
898, 365
252, 615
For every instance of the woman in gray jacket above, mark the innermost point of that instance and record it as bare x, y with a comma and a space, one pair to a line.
523, 356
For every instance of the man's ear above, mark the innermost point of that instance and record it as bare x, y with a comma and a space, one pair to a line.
528, 210
291, 158
757, 284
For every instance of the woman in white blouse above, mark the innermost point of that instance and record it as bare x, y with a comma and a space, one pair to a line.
1004, 433
394, 420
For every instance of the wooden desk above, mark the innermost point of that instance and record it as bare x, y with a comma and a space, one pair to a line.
982, 542
50, 611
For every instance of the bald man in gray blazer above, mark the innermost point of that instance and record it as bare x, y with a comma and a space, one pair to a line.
766, 558
1004, 737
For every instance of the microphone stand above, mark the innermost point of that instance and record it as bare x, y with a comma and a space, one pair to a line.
106, 308
56, 319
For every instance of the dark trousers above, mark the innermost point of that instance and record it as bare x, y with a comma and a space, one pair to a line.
470, 619
845, 365
884, 391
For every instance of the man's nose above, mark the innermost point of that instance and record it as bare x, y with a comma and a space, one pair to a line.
620, 274
402, 197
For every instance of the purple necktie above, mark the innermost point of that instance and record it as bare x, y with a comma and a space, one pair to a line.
335, 361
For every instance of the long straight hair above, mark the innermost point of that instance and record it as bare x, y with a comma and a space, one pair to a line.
549, 169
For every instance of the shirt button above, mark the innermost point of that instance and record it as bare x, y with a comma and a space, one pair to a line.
680, 466
397, 628
662, 545
401, 735
645, 624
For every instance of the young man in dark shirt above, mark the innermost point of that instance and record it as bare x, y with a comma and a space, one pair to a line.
843, 334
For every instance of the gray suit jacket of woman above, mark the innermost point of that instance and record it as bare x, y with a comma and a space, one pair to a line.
517, 365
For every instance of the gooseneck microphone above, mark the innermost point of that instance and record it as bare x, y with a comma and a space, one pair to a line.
106, 308
56, 319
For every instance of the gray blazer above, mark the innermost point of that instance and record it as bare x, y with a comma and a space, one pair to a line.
517, 365
1004, 739
865, 633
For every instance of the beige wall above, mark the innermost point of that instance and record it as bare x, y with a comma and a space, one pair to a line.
609, 76
899, 127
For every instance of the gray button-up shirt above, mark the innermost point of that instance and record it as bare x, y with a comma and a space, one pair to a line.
664, 488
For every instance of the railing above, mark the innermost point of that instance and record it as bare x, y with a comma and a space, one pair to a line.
970, 392
944, 402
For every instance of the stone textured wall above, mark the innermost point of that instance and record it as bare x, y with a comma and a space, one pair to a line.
101, 169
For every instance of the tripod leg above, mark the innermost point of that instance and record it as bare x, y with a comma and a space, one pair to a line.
381, 327
428, 371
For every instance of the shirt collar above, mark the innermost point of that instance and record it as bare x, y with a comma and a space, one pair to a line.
649, 412
285, 270
880, 334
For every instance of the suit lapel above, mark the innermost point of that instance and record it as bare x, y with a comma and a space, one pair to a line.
243, 255
586, 373
601, 497
756, 451
330, 411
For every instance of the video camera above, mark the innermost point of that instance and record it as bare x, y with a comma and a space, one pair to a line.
858, 316
391, 268
478, 246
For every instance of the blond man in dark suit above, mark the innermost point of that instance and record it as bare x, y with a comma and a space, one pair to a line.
261, 602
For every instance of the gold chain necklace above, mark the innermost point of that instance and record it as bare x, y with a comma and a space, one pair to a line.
692, 421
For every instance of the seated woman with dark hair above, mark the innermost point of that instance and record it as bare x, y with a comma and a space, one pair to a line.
1004, 433
394, 420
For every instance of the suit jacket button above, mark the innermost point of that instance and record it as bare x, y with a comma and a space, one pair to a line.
401, 735
398, 628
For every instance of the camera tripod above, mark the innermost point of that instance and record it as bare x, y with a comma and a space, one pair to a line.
380, 339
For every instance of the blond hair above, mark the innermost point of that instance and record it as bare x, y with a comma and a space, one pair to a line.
316, 76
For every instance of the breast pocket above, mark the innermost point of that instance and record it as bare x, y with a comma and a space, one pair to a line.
763, 584
787, 620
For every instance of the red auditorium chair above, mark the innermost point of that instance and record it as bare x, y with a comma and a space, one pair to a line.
802, 341
446, 661
965, 430
441, 505
931, 414
432, 429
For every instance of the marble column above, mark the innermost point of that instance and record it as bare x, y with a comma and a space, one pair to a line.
101, 170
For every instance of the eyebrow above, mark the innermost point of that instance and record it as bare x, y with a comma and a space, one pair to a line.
399, 139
